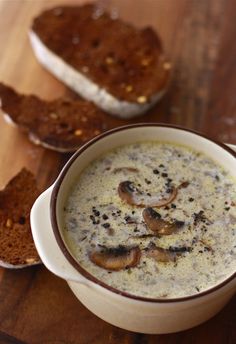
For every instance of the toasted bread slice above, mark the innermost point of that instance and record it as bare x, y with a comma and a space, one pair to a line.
17, 248
62, 124
120, 68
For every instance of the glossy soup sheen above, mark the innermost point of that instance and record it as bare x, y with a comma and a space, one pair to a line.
204, 243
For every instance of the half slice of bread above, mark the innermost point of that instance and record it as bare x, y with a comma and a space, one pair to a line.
62, 124
17, 248
120, 68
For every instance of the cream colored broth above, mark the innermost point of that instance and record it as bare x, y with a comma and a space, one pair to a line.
95, 215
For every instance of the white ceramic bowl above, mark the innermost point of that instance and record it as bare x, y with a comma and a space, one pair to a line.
116, 307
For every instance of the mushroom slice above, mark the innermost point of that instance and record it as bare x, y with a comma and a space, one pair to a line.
125, 169
183, 185
156, 224
116, 258
160, 254
129, 193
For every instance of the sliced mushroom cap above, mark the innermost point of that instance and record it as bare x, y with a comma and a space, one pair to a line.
154, 222
183, 185
160, 254
116, 258
129, 193
125, 169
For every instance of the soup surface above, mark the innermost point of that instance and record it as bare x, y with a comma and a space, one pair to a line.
153, 219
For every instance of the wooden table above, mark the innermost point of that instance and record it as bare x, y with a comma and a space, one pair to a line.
199, 38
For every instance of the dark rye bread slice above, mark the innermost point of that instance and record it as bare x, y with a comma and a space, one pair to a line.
17, 248
62, 124
122, 69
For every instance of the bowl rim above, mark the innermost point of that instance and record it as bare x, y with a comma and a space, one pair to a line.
69, 256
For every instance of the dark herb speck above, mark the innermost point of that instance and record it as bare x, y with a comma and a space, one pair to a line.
169, 190
92, 217
96, 212
155, 171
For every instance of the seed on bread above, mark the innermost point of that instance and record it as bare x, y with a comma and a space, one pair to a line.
129, 88
142, 99
9, 223
78, 132
17, 248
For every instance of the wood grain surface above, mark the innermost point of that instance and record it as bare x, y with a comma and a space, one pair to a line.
199, 38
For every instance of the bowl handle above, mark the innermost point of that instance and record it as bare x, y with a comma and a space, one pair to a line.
45, 241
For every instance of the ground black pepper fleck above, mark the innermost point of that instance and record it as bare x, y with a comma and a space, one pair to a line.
155, 171
94, 220
164, 175
191, 199
92, 217
173, 206
96, 212
194, 240
199, 217
147, 181
106, 225
105, 217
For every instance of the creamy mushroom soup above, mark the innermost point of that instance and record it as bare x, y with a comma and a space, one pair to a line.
153, 219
